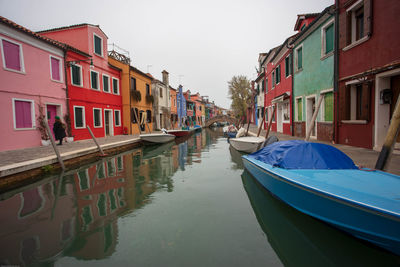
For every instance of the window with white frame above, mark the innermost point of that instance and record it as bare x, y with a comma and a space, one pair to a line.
98, 45
278, 74
55, 69
286, 111
273, 79
117, 116
299, 108
24, 114
327, 38
356, 22
106, 83
79, 117
97, 121
357, 106
94, 80
76, 75
299, 58
12, 55
271, 108
115, 85
288, 65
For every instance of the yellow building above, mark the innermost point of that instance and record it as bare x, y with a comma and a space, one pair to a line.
136, 96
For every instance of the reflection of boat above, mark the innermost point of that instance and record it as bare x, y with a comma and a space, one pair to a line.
179, 133
157, 137
323, 182
197, 128
236, 157
155, 151
182, 139
248, 144
300, 240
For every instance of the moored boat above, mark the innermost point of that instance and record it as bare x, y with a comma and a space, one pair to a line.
321, 181
179, 133
157, 137
248, 144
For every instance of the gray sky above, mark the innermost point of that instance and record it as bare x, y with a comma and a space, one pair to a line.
208, 42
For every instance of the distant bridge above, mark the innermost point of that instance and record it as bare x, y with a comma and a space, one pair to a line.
221, 118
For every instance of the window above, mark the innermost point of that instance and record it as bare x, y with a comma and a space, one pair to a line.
79, 117
106, 83
133, 84
76, 75
278, 74
263, 86
97, 122
133, 116
55, 69
83, 177
115, 83
358, 21
12, 56
147, 89
357, 102
327, 34
299, 109
161, 95
273, 79
302, 27
272, 114
148, 115
117, 115
98, 45
299, 58
288, 65
94, 80
328, 107
24, 114
286, 111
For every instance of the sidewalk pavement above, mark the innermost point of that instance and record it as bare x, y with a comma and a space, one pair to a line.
361, 156
15, 161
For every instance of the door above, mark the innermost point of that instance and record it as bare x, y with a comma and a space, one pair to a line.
279, 118
51, 114
310, 109
107, 122
395, 86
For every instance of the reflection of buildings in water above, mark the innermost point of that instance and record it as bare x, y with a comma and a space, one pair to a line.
236, 157
38, 223
101, 197
182, 154
295, 236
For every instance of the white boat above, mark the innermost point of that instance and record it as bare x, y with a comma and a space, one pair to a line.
248, 144
157, 137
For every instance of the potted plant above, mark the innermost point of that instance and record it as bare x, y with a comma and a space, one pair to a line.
137, 96
41, 118
149, 99
70, 137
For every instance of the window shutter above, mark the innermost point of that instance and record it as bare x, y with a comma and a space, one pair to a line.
11, 55
328, 99
365, 101
329, 39
367, 17
55, 69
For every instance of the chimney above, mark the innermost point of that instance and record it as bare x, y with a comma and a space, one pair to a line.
165, 77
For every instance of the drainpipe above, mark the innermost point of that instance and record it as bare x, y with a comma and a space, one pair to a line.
66, 88
336, 76
130, 96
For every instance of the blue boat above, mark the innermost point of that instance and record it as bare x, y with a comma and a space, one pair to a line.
321, 181
231, 134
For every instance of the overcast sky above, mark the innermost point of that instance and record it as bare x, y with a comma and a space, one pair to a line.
202, 44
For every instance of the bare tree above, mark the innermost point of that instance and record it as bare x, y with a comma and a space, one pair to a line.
240, 93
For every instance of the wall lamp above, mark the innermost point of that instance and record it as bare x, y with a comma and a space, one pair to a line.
70, 63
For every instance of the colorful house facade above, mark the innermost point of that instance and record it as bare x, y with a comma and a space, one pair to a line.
162, 101
368, 71
174, 107
32, 84
313, 75
181, 106
93, 84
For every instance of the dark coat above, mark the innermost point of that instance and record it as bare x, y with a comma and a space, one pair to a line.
59, 131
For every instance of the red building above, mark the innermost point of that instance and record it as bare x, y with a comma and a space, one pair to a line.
93, 84
368, 71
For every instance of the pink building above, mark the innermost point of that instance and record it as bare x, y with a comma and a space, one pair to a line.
32, 82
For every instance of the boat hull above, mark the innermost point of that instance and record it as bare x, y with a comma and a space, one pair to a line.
368, 224
179, 133
248, 144
157, 138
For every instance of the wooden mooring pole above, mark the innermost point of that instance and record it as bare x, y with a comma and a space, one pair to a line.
270, 122
261, 125
95, 141
53, 143
390, 139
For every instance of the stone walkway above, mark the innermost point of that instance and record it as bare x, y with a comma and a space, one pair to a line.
361, 156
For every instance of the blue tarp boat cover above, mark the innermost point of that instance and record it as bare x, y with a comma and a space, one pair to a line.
297, 154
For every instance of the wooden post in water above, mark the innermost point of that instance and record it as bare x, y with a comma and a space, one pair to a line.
137, 120
95, 141
261, 125
270, 122
53, 143
390, 139
312, 124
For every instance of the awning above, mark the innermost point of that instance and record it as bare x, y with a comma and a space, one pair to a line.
281, 98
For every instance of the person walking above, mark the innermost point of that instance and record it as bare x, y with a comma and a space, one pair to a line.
59, 130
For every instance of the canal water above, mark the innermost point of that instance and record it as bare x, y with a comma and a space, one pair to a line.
186, 203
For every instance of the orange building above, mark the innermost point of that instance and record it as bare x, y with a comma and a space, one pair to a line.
174, 108
136, 95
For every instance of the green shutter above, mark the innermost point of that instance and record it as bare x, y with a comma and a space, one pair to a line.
300, 58
287, 66
329, 39
299, 110
328, 102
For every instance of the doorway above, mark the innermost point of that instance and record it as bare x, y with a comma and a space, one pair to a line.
279, 126
108, 122
51, 112
310, 109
